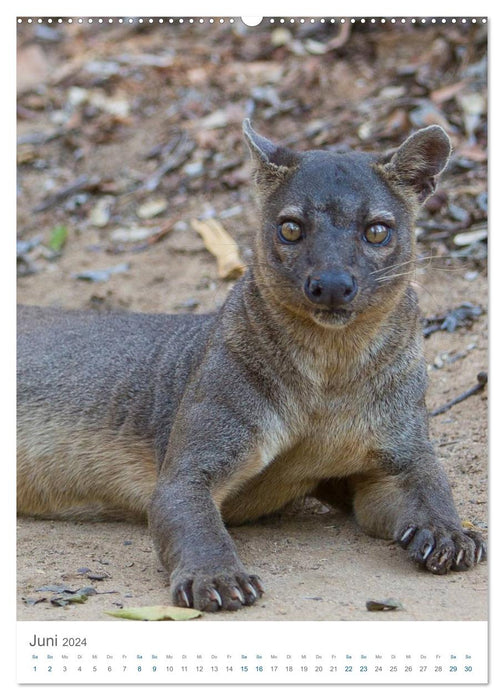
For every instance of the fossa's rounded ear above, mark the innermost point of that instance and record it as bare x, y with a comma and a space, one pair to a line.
418, 162
271, 162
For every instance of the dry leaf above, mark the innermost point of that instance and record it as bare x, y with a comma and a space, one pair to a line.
58, 238
218, 241
473, 106
33, 67
387, 604
445, 93
468, 525
155, 613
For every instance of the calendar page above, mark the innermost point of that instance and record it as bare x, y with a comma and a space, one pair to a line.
252, 420
265, 652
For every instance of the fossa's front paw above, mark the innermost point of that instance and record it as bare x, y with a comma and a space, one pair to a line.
216, 591
441, 548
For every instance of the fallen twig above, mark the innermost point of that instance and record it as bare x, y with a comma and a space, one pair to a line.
482, 382
461, 317
176, 157
157, 235
341, 39
84, 182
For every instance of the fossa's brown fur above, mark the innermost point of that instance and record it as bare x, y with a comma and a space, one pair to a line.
309, 380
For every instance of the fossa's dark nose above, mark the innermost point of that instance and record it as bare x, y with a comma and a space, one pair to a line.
331, 289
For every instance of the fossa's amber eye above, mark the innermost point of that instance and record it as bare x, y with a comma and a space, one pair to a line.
377, 234
290, 232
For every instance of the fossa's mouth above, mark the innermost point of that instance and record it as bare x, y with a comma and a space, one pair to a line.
333, 318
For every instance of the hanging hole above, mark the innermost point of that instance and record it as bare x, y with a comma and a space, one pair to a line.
252, 21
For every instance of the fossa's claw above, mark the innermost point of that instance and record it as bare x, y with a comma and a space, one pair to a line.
427, 550
250, 589
215, 595
407, 534
239, 595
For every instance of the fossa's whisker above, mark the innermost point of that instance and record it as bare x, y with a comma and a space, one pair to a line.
418, 262
385, 278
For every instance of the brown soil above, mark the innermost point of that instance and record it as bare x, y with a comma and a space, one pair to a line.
315, 563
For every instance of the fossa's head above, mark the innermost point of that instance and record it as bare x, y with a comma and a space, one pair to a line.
337, 229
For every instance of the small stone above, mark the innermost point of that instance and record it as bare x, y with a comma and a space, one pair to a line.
130, 235
188, 304
77, 96
468, 237
280, 37
194, 169
152, 208
100, 214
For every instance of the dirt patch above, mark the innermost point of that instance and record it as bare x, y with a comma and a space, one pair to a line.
108, 110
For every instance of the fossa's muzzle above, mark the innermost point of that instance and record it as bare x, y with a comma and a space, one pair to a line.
331, 289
